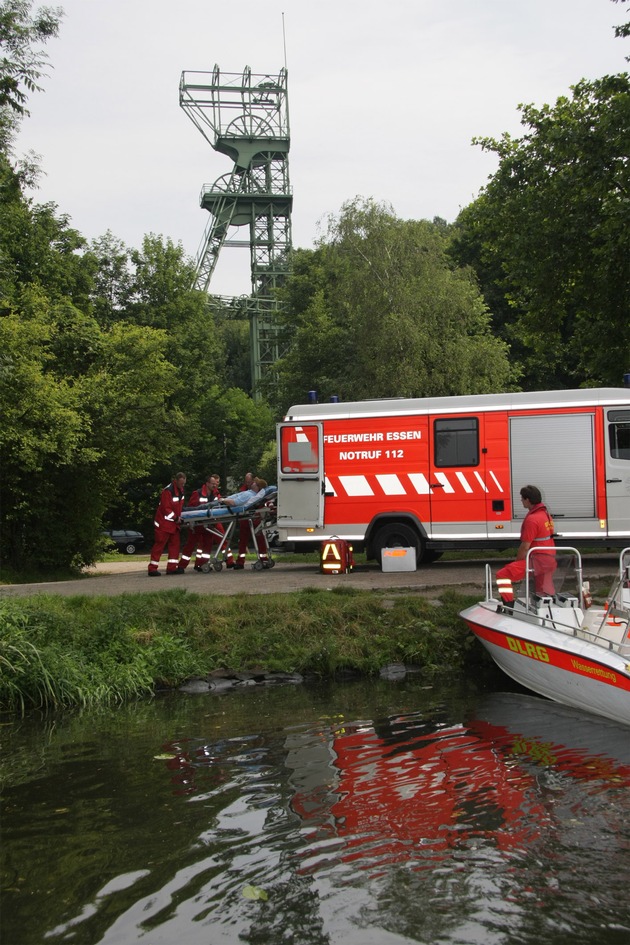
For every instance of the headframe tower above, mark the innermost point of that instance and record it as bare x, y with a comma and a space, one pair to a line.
246, 117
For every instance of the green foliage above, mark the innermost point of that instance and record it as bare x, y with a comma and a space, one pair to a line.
58, 651
550, 234
378, 310
83, 411
22, 62
623, 31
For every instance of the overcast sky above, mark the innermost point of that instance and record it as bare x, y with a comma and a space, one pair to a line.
384, 99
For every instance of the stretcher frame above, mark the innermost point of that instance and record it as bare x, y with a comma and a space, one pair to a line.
260, 516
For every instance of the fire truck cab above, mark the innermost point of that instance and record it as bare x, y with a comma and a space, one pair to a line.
445, 473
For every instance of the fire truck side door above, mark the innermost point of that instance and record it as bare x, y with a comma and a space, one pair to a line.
457, 477
300, 475
617, 450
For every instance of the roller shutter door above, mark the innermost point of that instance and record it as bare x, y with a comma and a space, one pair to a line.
555, 453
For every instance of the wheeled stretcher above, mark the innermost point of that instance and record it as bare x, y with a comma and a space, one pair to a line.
259, 515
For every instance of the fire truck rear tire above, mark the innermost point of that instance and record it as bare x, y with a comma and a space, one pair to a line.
399, 535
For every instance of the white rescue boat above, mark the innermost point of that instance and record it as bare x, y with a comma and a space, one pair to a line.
560, 647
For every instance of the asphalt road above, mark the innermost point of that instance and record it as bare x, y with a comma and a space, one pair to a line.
130, 577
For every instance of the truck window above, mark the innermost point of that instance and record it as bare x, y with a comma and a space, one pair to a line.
456, 442
299, 449
619, 433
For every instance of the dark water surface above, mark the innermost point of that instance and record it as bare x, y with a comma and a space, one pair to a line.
356, 813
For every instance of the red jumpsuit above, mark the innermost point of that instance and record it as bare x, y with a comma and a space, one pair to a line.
537, 528
244, 535
195, 539
200, 539
167, 528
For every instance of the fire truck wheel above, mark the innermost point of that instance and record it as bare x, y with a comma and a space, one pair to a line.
398, 535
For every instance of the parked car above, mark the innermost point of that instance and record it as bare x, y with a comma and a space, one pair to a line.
126, 541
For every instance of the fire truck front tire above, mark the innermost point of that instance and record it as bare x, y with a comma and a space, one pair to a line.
398, 535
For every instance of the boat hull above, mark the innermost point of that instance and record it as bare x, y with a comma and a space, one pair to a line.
552, 663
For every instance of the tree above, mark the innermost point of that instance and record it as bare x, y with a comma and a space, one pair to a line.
85, 407
21, 60
623, 30
378, 310
550, 229
84, 411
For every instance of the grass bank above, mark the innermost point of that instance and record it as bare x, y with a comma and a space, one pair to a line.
67, 651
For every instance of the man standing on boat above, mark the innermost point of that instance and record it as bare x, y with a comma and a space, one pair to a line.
536, 532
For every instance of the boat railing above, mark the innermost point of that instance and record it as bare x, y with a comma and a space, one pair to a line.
531, 596
606, 625
532, 602
489, 586
610, 626
624, 567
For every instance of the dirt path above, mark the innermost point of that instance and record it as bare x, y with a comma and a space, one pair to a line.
130, 577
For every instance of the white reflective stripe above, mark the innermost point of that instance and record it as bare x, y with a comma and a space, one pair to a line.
356, 485
203, 500
504, 582
156, 523
395, 483
481, 482
496, 482
441, 477
464, 482
549, 538
173, 560
420, 483
170, 516
391, 485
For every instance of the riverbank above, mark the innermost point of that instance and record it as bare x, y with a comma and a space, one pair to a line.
88, 650
105, 638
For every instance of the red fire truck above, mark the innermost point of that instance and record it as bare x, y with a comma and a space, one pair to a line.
443, 473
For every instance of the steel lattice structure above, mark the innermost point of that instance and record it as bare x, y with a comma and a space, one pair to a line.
246, 117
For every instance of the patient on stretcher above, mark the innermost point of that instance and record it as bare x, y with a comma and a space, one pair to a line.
240, 502
241, 499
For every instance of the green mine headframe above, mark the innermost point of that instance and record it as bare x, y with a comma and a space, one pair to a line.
246, 117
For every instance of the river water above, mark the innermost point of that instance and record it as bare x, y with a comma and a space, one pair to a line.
354, 812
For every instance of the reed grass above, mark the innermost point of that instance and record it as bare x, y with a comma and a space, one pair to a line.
69, 651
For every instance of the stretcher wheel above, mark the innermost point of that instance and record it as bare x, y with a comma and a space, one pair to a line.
258, 566
217, 565
205, 568
269, 564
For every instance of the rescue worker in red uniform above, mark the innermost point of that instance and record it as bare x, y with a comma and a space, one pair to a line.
243, 529
536, 532
167, 525
200, 539
244, 534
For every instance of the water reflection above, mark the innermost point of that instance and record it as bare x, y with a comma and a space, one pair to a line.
365, 812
